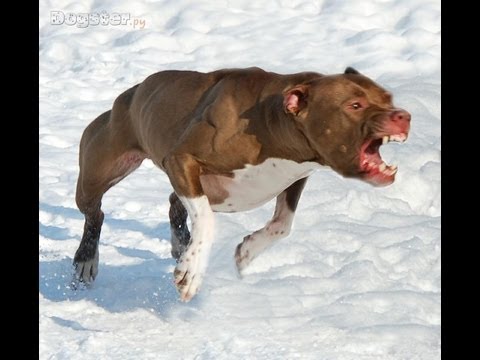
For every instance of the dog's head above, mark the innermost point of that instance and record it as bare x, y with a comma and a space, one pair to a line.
346, 118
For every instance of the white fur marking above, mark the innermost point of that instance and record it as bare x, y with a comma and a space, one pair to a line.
193, 263
254, 185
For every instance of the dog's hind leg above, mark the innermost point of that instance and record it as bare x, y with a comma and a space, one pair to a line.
277, 228
107, 155
180, 235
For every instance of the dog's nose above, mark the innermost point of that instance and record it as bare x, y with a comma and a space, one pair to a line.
401, 115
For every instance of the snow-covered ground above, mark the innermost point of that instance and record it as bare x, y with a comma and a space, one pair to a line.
358, 278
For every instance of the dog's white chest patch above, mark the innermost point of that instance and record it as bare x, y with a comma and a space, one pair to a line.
253, 185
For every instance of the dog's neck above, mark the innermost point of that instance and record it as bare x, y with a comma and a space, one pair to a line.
283, 135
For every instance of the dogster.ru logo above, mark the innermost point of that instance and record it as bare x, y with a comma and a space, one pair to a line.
103, 18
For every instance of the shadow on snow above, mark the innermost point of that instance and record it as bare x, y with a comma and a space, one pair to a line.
146, 283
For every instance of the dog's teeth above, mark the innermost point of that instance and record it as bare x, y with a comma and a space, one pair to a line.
385, 139
382, 167
391, 170
398, 137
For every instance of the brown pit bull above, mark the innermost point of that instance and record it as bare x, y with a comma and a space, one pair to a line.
231, 140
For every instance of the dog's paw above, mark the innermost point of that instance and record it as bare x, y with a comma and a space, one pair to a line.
86, 271
242, 257
188, 276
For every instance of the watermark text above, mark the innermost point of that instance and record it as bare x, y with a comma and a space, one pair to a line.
83, 20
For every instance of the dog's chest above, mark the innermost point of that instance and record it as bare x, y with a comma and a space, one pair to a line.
253, 185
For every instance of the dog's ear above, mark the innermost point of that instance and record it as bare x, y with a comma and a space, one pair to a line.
350, 70
295, 99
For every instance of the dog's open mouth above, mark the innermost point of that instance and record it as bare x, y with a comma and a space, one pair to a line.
373, 168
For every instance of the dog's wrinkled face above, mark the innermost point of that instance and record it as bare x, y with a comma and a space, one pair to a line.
346, 119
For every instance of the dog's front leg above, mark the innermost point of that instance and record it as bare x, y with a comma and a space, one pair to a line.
184, 173
277, 228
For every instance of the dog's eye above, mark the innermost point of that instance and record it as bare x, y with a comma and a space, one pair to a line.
356, 106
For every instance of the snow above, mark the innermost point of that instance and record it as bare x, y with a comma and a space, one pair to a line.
359, 276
